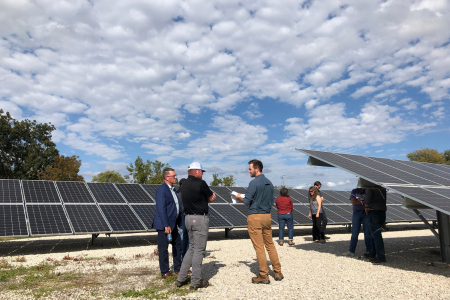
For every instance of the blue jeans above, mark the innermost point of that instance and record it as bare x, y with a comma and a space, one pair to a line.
184, 242
376, 219
289, 220
358, 218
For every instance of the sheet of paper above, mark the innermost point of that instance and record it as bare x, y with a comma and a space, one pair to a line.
233, 197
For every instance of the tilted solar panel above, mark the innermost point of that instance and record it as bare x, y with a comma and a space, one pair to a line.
301, 195
151, 189
438, 199
146, 213
239, 189
12, 220
86, 218
121, 218
304, 211
36, 191
105, 193
74, 192
47, 219
134, 193
337, 215
430, 168
10, 191
216, 219
223, 195
231, 214
332, 197
300, 218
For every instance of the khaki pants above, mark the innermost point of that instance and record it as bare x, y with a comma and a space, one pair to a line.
260, 231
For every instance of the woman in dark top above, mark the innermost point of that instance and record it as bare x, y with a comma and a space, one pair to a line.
284, 208
316, 213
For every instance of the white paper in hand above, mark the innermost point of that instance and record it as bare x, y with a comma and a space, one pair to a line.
233, 196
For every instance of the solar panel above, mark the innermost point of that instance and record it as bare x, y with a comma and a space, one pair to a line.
215, 218
134, 193
74, 192
431, 168
300, 218
10, 191
12, 220
232, 215
86, 218
393, 198
146, 213
151, 189
332, 197
46, 219
223, 194
40, 191
304, 211
302, 195
105, 193
274, 215
428, 214
121, 218
239, 189
435, 198
294, 196
337, 215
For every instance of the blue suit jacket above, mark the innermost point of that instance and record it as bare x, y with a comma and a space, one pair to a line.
166, 210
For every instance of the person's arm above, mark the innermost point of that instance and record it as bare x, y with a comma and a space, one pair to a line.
368, 200
291, 204
206, 192
250, 193
319, 200
212, 198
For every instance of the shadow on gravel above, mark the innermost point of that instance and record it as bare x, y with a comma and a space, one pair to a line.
406, 253
210, 269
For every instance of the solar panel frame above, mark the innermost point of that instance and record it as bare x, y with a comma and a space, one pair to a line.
87, 215
126, 221
74, 192
13, 220
134, 193
105, 193
146, 212
302, 195
40, 191
220, 195
330, 197
216, 219
10, 191
151, 190
54, 222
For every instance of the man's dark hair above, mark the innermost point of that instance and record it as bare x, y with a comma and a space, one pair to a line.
317, 183
180, 183
284, 192
166, 172
257, 164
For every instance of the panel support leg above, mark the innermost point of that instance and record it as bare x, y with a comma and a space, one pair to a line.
349, 227
227, 232
444, 235
426, 223
94, 236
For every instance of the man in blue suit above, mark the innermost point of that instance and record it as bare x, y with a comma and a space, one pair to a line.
169, 216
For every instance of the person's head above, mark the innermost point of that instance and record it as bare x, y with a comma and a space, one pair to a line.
195, 169
318, 185
313, 193
284, 192
255, 167
180, 183
169, 176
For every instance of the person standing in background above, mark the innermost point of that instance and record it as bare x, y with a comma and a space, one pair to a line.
284, 209
316, 214
183, 233
375, 207
318, 185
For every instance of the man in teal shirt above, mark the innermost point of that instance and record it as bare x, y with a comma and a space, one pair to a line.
259, 198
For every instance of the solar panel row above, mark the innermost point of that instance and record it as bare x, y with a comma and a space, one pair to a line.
55, 208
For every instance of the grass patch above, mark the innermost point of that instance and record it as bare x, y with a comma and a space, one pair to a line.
41, 280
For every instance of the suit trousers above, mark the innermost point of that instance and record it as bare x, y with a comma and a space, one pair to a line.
197, 228
260, 232
163, 245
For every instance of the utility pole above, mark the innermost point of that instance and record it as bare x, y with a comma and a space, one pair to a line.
283, 182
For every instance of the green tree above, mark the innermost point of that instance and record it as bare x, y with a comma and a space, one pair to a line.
26, 147
426, 155
446, 155
216, 180
228, 181
149, 172
63, 168
109, 176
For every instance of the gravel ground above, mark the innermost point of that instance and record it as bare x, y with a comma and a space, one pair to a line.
311, 271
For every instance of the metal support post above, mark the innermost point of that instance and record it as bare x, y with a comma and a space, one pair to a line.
94, 236
349, 227
444, 235
227, 232
426, 223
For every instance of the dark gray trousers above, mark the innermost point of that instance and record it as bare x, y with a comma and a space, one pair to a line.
197, 228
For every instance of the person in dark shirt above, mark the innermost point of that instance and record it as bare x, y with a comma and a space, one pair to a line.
183, 233
318, 185
196, 195
375, 207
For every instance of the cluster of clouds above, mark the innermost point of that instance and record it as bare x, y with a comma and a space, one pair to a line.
141, 70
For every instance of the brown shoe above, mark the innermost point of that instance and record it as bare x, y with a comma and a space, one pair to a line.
291, 243
167, 275
281, 243
278, 276
261, 279
202, 285
189, 272
181, 283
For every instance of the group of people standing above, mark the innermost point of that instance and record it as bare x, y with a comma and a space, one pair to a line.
369, 210
182, 220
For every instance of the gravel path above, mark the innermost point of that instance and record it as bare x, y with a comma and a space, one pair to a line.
311, 271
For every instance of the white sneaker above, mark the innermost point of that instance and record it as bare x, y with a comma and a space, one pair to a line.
348, 254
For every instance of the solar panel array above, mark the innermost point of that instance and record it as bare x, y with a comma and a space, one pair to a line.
30, 208
425, 183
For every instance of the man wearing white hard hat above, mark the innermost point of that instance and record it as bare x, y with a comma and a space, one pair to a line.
196, 195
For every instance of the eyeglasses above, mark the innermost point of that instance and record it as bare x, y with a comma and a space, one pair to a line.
171, 176
311, 191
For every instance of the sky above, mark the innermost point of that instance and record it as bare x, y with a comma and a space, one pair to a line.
224, 82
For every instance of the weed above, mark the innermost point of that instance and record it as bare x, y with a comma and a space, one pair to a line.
78, 258
67, 257
156, 252
110, 258
49, 259
138, 256
4, 264
20, 258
